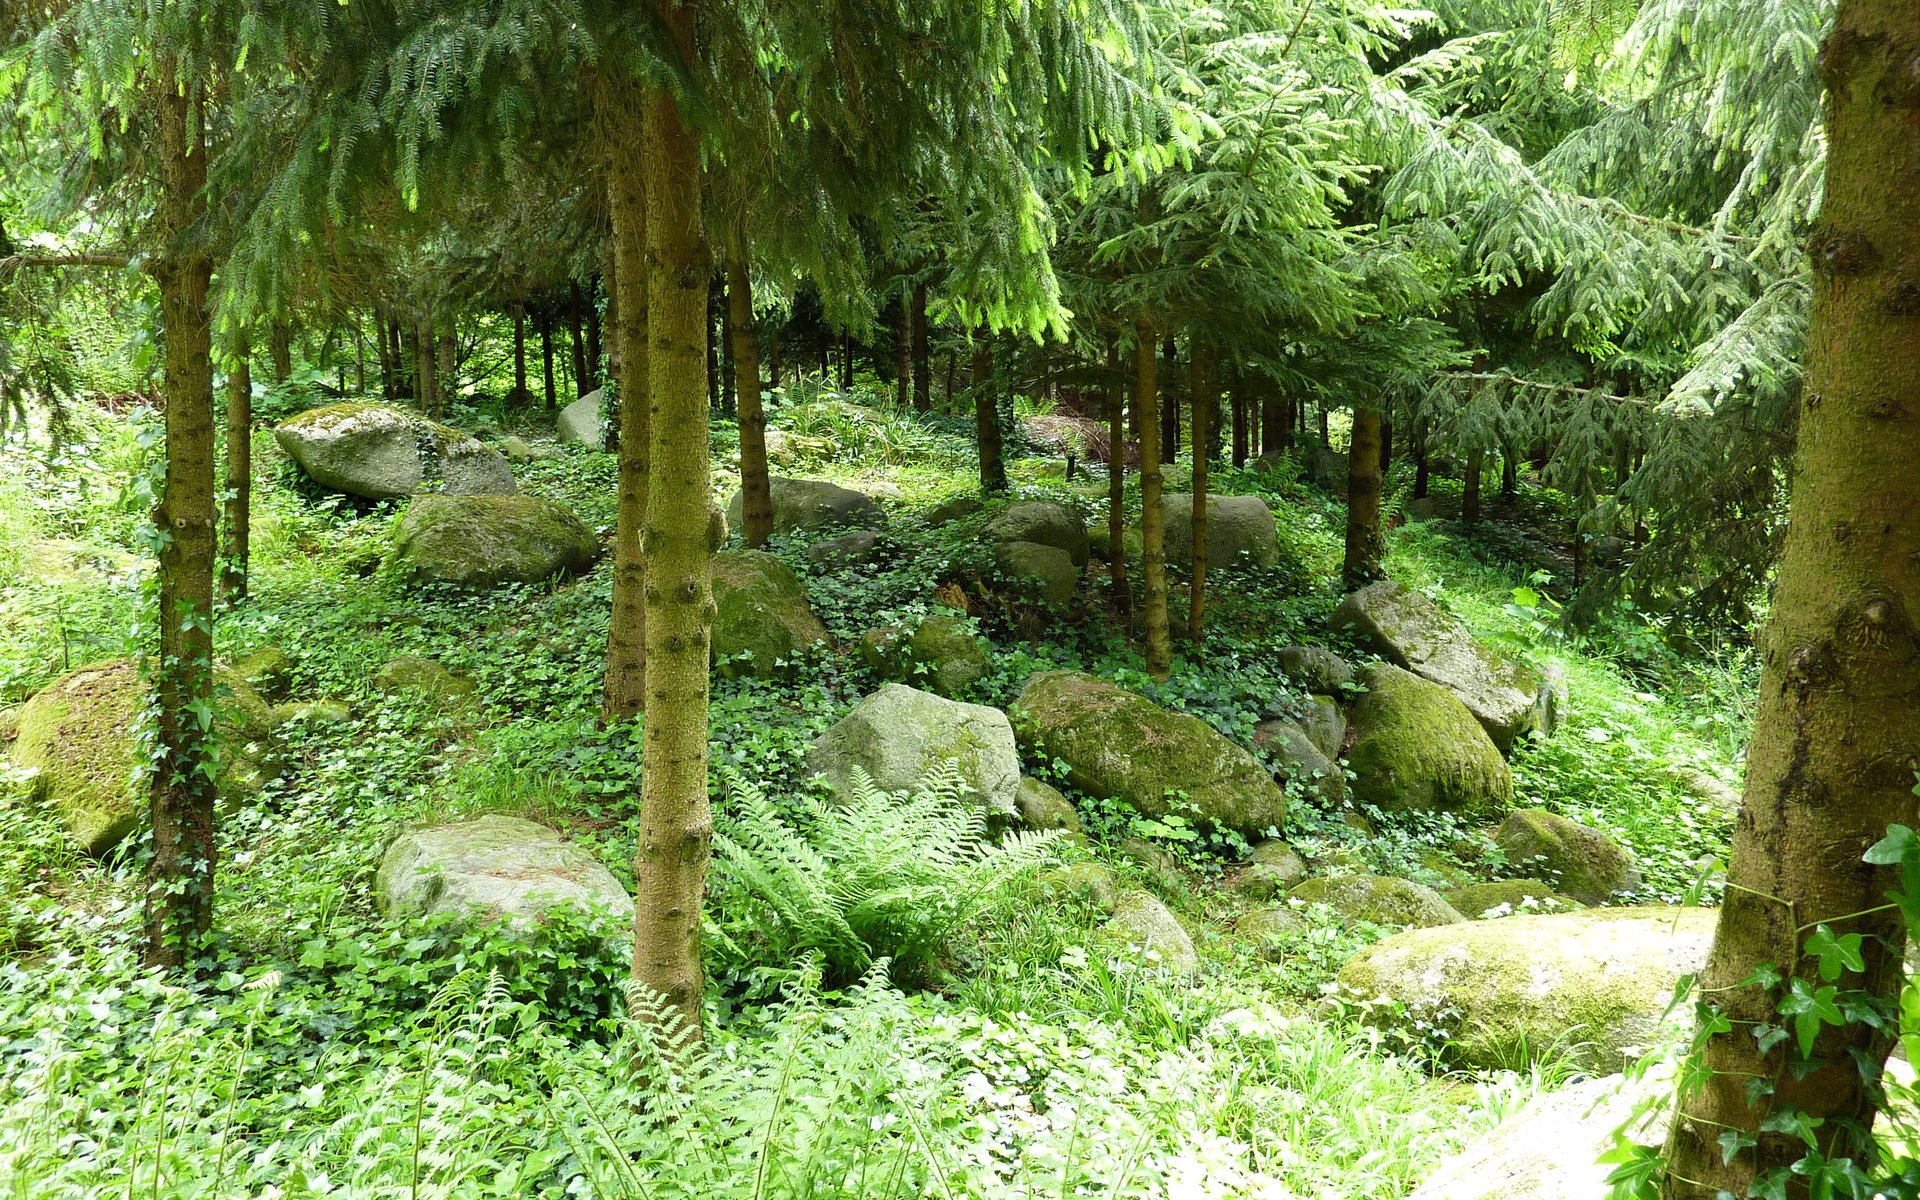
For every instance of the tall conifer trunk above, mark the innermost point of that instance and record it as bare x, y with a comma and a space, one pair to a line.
1205, 409
577, 328
756, 486
903, 355
1238, 400
239, 489
1470, 490
520, 393
1153, 527
546, 357
179, 899
625, 691
922, 363
1364, 545
1117, 484
1836, 735
986, 418
280, 349
676, 824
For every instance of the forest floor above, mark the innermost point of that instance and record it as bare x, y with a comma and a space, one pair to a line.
336, 1053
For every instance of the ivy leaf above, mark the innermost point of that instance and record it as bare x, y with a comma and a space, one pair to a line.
1835, 953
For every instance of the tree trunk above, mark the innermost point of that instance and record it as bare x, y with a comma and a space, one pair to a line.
716, 309
729, 338
1240, 406
593, 334
280, 348
903, 356
846, 362
1153, 541
1326, 437
426, 386
1205, 407
520, 393
986, 419
1364, 545
922, 363
179, 898
1470, 491
676, 825
1509, 475
1170, 408
239, 497
1386, 445
447, 374
576, 325
1837, 732
756, 487
625, 690
1116, 485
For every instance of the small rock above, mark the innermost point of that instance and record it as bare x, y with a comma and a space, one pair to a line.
952, 510
1156, 859
1043, 807
269, 669
849, 549
1325, 724
899, 734
579, 422
1717, 795
1591, 867
1315, 668
1380, 899
1086, 883
762, 623
1283, 860
1301, 759
1508, 896
317, 714
1142, 922
1267, 929
517, 451
420, 678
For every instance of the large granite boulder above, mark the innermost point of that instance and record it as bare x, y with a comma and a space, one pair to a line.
899, 734
1300, 758
498, 869
1417, 748
1236, 526
1143, 925
1381, 899
1594, 984
1413, 632
1122, 746
760, 611
380, 452
1590, 866
486, 541
1045, 523
79, 733
1041, 571
813, 504
579, 423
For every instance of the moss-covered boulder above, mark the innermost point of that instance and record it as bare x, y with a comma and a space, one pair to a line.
380, 452
1045, 523
1505, 897
1315, 668
312, 714
1413, 632
78, 733
268, 670
1301, 759
850, 549
813, 504
953, 509
942, 654
1277, 868
1325, 724
1590, 866
498, 869
1267, 930
1556, 1147
899, 734
1416, 748
1088, 883
1042, 806
1144, 926
761, 620
486, 541
579, 423
1037, 571
415, 677
1381, 899
1122, 746
1593, 984
1239, 529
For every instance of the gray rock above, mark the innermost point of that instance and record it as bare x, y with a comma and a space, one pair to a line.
1300, 758
953, 509
516, 450
1591, 867
1380, 899
1084, 883
1237, 526
1711, 791
814, 504
1045, 523
1316, 669
1043, 807
418, 678
1325, 724
485, 541
315, 714
847, 550
380, 452
1266, 930
1046, 571
1412, 632
942, 654
1276, 869
1417, 748
579, 422
498, 869
1551, 1149
1144, 924
1422, 509
1327, 469
762, 623
899, 734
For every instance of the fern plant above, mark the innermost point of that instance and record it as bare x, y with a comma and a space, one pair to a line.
879, 875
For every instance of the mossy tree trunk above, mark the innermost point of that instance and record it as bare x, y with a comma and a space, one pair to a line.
179, 898
756, 488
1153, 539
280, 349
1470, 489
624, 693
1117, 485
1837, 732
520, 392
676, 825
1205, 412
986, 418
239, 489
1364, 544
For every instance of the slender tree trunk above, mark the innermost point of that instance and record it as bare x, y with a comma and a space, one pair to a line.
986, 418
1837, 733
359, 354
1420, 465
179, 899
1509, 475
676, 825
545, 321
729, 393
716, 313
1240, 439
1153, 539
239, 490
1117, 484
1386, 445
903, 355
280, 347
576, 325
426, 371
625, 690
922, 362
846, 362
594, 350
1470, 491
773, 354
1276, 433
1364, 543
756, 486
1205, 406
1326, 437
447, 374
520, 392
1170, 407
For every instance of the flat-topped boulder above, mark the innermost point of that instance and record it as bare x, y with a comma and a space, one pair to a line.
899, 734
1044, 522
1410, 631
1239, 528
498, 869
761, 620
579, 423
813, 504
1122, 746
486, 541
381, 452
1416, 748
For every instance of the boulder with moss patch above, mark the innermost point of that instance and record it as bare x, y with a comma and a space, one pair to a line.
1240, 530
269, 670
486, 541
313, 714
1267, 931
942, 654
1413, 632
1416, 748
78, 733
1325, 724
1505, 897
1122, 746
1043, 807
1595, 985
1590, 866
381, 452
1315, 668
1381, 899
1301, 759
814, 504
1037, 571
762, 623
1088, 883
417, 677
1144, 925
1277, 868
1045, 523
899, 734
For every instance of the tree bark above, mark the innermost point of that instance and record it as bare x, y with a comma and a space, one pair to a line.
1153, 541
239, 489
625, 691
1386, 445
179, 897
593, 334
986, 418
426, 381
576, 325
520, 392
1364, 544
1470, 490
447, 366
922, 363
1837, 731
1170, 408
1420, 466
1205, 408
756, 485
676, 824
545, 321
280, 348
729, 392
1117, 484
1238, 399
